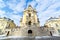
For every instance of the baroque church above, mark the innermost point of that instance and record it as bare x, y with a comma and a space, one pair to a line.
29, 25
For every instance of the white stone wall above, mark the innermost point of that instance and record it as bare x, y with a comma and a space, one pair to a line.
36, 31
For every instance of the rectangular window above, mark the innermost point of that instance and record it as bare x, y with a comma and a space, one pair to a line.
59, 30
29, 15
56, 25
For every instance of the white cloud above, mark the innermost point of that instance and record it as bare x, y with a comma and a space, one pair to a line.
1, 0
33, 3
16, 18
46, 9
2, 4
2, 13
17, 7
52, 7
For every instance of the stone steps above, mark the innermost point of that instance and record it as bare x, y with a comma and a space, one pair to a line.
31, 38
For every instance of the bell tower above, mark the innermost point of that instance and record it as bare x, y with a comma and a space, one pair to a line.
29, 17
29, 25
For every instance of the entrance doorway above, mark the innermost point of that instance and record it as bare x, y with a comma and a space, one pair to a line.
50, 33
7, 33
29, 32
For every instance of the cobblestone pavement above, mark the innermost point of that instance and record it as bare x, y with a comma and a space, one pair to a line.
30, 38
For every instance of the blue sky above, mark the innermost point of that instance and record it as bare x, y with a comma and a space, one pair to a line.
13, 9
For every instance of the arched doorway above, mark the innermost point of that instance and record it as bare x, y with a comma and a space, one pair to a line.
7, 33
29, 32
50, 33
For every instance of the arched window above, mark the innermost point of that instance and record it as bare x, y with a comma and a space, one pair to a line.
29, 31
29, 15
29, 23
56, 24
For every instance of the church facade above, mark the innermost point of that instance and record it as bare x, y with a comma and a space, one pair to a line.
29, 25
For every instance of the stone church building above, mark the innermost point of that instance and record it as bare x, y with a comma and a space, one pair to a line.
29, 25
